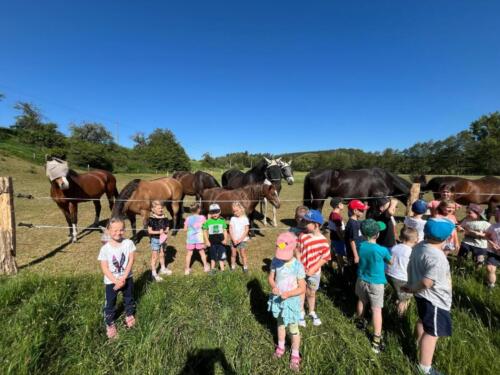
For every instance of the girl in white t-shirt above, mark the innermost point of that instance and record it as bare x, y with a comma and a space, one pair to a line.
238, 232
397, 273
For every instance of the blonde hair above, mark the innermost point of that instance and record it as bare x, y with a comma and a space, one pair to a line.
408, 234
156, 202
114, 220
240, 205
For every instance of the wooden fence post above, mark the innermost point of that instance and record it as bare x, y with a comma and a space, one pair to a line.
8, 264
414, 195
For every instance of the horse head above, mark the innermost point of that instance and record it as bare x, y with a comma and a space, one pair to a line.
286, 170
273, 171
57, 171
271, 194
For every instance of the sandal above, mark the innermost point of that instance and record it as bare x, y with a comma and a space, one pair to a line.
111, 332
295, 363
130, 321
278, 353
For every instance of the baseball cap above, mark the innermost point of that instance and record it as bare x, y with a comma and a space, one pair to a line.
371, 228
419, 207
438, 229
214, 207
477, 209
334, 202
314, 216
356, 204
285, 245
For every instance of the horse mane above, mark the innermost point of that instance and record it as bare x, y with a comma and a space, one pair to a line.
125, 194
73, 173
400, 183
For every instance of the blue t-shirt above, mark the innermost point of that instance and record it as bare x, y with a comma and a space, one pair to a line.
371, 265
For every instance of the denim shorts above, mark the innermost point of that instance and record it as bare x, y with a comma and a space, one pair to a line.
155, 244
313, 282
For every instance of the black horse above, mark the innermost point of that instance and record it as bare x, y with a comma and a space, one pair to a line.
349, 184
436, 184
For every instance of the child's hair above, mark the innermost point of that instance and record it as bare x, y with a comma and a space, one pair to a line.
408, 234
156, 202
300, 211
443, 205
115, 219
194, 207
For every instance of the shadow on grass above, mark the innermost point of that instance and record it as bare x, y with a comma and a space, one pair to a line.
340, 292
84, 233
203, 361
170, 254
266, 267
258, 304
289, 222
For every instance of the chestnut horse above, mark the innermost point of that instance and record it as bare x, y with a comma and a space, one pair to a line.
195, 183
68, 188
248, 195
136, 197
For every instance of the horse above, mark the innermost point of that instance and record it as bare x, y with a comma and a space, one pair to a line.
436, 184
68, 188
350, 184
195, 183
286, 174
248, 195
136, 197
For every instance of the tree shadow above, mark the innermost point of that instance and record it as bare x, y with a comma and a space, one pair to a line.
258, 304
84, 233
203, 361
339, 292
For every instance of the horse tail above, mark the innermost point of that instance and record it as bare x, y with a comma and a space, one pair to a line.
307, 197
125, 194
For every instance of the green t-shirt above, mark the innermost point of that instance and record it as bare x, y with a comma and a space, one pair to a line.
215, 229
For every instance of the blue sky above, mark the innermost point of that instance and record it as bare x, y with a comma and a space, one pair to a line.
261, 76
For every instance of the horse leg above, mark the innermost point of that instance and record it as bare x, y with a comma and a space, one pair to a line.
111, 194
265, 212
65, 210
97, 206
73, 211
132, 219
275, 224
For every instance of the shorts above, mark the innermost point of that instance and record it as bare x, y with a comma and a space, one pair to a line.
155, 244
436, 321
338, 247
217, 252
195, 246
293, 328
370, 293
397, 284
313, 282
478, 253
242, 245
493, 260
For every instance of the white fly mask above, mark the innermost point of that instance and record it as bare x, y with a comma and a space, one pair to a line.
55, 169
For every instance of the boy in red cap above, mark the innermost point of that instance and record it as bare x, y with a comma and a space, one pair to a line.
353, 237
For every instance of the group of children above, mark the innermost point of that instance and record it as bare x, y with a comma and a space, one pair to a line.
417, 266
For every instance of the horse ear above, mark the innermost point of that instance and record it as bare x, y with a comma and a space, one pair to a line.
290, 162
267, 182
278, 160
267, 160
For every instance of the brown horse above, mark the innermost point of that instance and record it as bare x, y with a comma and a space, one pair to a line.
68, 188
195, 183
136, 197
249, 196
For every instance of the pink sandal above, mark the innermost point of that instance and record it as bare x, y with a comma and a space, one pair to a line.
130, 321
111, 332
278, 353
295, 363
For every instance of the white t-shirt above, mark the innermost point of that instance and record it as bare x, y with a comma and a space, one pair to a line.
400, 259
117, 258
417, 224
237, 225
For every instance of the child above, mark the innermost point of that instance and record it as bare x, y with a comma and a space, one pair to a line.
238, 231
158, 231
336, 227
445, 195
429, 279
371, 278
314, 251
299, 227
215, 233
493, 261
117, 259
446, 210
385, 208
287, 283
194, 237
353, 238
475, 226
397, 272
419, 208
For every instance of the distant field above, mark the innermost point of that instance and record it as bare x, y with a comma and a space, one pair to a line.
52, 321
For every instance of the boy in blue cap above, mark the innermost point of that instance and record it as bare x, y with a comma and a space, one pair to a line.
429, 279
419, 208
371, 278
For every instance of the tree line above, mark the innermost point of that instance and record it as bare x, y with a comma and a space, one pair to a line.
91, 144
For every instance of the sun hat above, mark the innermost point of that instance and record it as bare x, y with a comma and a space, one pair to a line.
419, 207
314, 216
334, 202
214, 207
356, 204
370, 228
438, 229
477, 209
285, 245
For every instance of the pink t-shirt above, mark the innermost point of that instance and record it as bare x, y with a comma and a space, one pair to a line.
494, 235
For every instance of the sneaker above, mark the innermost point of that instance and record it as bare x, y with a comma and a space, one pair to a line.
302, 321
233, 268
491, 286
111, 332
432, 371
187, 272
245, 269
165, 271
316, 320
377, 344
361, 324
157, 278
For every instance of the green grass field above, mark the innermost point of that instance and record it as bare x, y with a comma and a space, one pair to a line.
51, 321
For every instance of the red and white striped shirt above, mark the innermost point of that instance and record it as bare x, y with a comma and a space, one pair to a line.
313, 249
